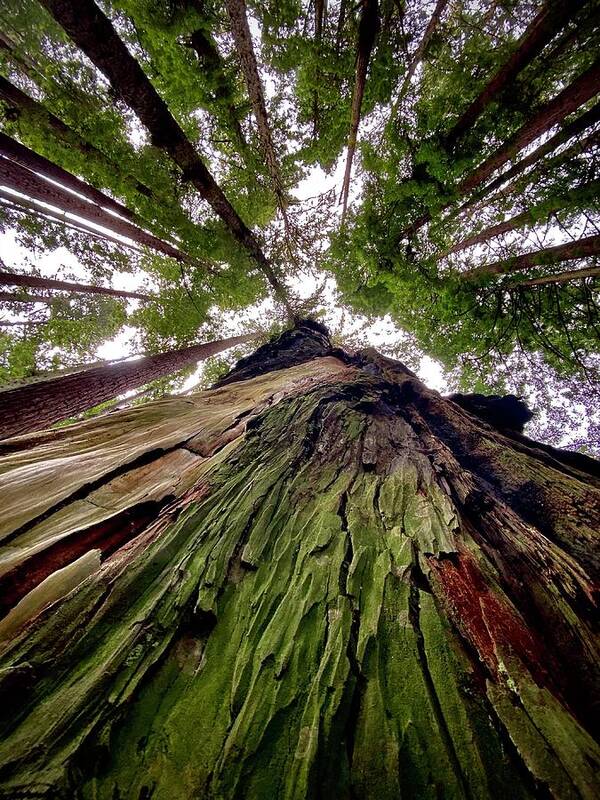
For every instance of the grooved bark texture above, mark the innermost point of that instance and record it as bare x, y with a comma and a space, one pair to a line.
39, 405
349, 587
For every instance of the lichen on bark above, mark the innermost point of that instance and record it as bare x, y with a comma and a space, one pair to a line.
332, 590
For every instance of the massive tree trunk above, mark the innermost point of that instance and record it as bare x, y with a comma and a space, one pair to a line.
42, 403
18, 279
318, 579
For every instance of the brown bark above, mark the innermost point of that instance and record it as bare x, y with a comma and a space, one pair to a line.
553, 16
420, 51
17, 100
581, 194
41, 404
368, 28
95, 35
560, 277
247, 58
566, 102
25, 205
31, 184
552, 113
566, 132
15, 151
9, 297
17, 279
582, 248
321, 580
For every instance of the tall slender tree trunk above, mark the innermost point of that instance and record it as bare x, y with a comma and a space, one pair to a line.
577, 197
319, 579
580, 248
368, 28
21, 103
561, 277
36, 209
434, 21
485, 196
38, 405
240, 29
550, 19
34, 281
23, 180
552, 113
566, 102
211, 60
15, 151
93, 32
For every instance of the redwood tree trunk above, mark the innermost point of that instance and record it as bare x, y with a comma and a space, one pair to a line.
580, 248
31, 184
318, 579
93, 32
18, 279
551, 18
40, 404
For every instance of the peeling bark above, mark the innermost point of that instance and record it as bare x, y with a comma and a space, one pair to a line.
349, 587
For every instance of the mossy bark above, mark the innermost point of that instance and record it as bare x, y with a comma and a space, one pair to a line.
318, 580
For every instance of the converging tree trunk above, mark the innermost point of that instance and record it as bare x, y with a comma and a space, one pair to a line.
317, 579
580, 248
561, 277
550, 19
577, 197
93, 32
240, 29
23, 180
18, 279
40, 404
15, 151
368, 27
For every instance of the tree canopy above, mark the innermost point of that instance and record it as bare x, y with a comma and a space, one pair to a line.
239, 164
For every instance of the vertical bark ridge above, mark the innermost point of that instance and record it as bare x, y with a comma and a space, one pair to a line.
348, 597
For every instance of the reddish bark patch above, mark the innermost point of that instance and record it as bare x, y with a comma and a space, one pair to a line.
108, 536
492, 627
